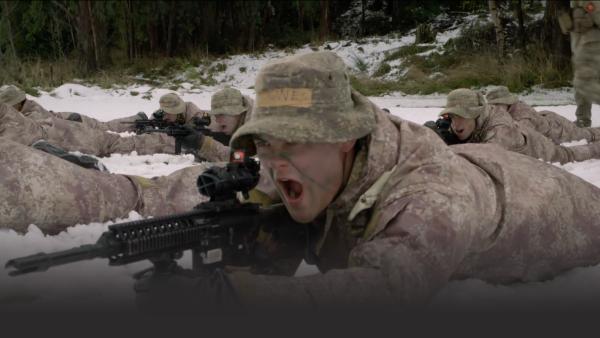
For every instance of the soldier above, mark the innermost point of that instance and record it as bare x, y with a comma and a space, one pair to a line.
41, 189
72, 136
547, 123
474, 121
15, 97
396, 213
58, 133
229, 110
583, 24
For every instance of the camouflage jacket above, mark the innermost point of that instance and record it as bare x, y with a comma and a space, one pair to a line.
417, 213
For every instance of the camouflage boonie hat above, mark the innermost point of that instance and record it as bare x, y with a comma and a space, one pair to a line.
500, 95
306, 99
464, 102
227, 101
11, 95
172, 104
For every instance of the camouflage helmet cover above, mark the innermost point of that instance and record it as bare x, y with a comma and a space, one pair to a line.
500, 95
11, 95
306, 99
172, 104
227, 101
464, 102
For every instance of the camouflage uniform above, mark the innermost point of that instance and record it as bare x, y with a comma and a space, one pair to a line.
73, 136
44, 190
117, 125
583, 24
547, 123
495, 125
227, 101
414, 213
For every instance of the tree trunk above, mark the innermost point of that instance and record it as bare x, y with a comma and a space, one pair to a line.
522, 35
556, 43
250, 45
171, 24
300, 8
362, 17
324, 21
94, 35
6, 14
129, 35
84, 38
498, 26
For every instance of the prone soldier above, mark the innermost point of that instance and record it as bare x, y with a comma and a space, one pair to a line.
548, 123
474, 121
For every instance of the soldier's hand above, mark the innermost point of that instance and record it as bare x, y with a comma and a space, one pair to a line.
193, 141
141, 116
185, 292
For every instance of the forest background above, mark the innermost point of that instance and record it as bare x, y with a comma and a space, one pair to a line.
44, 44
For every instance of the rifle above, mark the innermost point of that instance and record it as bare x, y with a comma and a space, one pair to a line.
222, 231
177, 129
442, 127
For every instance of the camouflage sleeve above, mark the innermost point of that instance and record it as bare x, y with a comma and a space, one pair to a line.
213, 150
508, 137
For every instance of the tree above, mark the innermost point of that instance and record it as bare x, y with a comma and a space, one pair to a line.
325, 21
520, 18
498, 27
555, 42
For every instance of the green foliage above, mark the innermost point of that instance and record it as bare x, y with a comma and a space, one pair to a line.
405, 51
359, 63
383, 69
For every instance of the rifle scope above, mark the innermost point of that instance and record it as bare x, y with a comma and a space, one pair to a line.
220, 183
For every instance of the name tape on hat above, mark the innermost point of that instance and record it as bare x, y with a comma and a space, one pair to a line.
289, 97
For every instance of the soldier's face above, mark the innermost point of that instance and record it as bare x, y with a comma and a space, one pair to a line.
307, 176
462, 127
170, 117
225, 123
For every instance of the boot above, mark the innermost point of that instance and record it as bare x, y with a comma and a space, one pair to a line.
85, 161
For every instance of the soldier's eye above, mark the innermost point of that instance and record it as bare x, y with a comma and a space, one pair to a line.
260, 143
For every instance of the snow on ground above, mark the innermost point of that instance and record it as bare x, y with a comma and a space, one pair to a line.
96, 281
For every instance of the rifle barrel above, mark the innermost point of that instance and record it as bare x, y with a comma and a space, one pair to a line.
43, 261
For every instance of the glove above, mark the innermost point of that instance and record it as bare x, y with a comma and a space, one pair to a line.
142, 116
193, 141
184, 291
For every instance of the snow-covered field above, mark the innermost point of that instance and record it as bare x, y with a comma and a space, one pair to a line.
112, 286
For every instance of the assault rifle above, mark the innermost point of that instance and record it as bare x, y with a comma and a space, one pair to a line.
222, 231
442, 127
177, 129
143, 124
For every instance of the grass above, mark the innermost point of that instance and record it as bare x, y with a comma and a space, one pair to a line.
405, 51
443, 73
31, 75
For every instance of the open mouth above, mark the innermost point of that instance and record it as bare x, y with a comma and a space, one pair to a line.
292, 189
